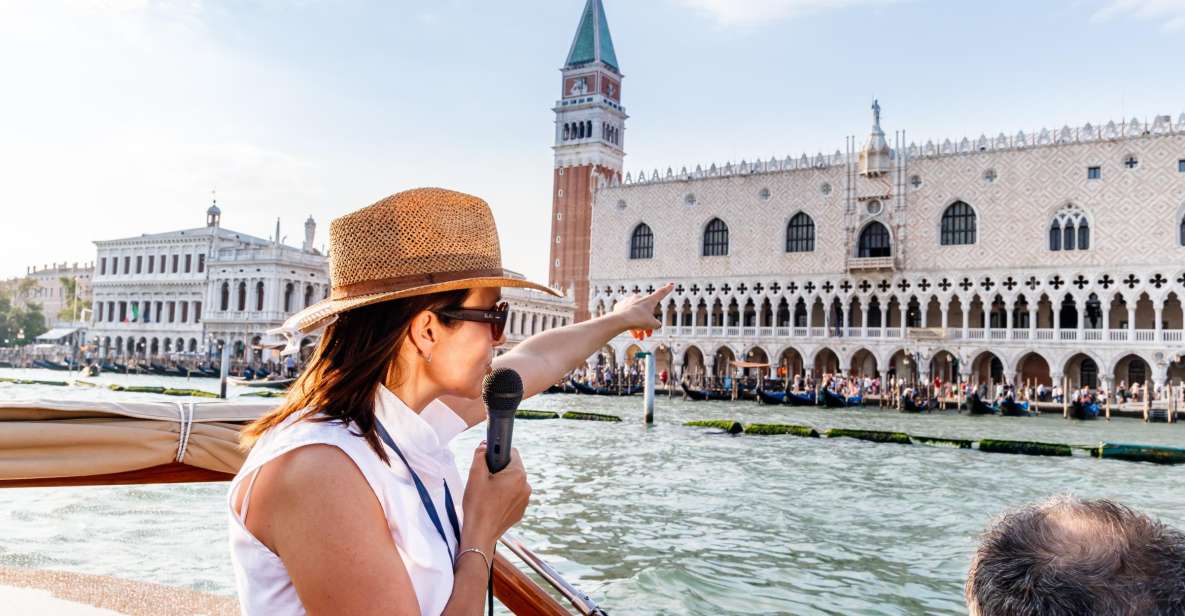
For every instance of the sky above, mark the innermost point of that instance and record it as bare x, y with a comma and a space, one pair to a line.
120, 117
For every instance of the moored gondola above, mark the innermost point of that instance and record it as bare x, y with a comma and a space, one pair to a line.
805, 398
609, 390
1078, 410
771, 397
976, 406
704, 394
1012, 408
832, 400
909, 406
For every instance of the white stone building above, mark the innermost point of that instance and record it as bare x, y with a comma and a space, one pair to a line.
52, 295
186, 292
532, 312
1023, 256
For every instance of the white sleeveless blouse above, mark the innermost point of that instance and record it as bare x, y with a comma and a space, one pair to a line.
264, 586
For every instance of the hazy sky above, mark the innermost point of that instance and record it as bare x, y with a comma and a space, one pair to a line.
119, 117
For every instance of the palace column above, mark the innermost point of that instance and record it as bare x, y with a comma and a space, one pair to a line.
987, 320
864, 320
966, 319
1107, 321
1008, 306
1080, 309
1033, 321
883, 306
1131, 321
1158, 314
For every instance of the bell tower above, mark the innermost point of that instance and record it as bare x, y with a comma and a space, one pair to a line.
589, 140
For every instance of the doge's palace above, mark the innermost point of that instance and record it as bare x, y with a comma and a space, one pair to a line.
1032, 255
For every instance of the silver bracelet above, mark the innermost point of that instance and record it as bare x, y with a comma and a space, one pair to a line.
489, 567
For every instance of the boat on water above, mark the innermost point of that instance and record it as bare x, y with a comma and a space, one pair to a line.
1078, 410
268, 382
976, 406
604, 390
1011, 408
59, 443
908, 405
692, 393
771, 397
832, 400
51, 365
802, 398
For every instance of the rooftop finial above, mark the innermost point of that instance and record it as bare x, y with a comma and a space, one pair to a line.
876, 113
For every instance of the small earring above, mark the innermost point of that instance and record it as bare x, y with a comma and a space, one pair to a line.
428, 358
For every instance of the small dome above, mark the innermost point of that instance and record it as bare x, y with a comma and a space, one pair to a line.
213, 211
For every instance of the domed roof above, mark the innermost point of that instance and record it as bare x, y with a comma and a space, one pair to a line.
214, 210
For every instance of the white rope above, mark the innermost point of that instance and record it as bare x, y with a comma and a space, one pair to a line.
185, 410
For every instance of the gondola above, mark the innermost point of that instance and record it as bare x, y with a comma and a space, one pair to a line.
1012, 408
771, 397
269, 383
50, 365
833, 400
610, 390
704, 394
1084, 411
806, 398
909, 406
977, 406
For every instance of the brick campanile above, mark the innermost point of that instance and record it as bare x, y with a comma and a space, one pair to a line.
589, 137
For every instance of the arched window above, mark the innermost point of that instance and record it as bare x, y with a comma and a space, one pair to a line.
288, 297
1069, 229
800, 234
308, 296
642, 242
259, 295
716, 239
566, 131
242, 296
225, 304
958, 225
874, 241
1183, 230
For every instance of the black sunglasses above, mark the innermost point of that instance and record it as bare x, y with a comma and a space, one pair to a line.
496, 317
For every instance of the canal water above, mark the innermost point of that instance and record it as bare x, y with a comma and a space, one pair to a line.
668, 519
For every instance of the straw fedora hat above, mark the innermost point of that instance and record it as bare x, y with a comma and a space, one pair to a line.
420, 241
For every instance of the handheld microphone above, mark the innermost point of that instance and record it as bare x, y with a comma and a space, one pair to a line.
502, 391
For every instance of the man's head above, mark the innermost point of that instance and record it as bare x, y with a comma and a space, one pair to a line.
1068, 557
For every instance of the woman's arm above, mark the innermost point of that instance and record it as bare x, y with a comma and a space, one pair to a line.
545, 358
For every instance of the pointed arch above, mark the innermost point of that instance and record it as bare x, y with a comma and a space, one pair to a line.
875, 241
800, 233
715, 239
959, 225
642, 242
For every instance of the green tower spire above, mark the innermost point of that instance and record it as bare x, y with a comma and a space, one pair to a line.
592, 42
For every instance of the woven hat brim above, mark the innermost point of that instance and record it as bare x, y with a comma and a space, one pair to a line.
319, 314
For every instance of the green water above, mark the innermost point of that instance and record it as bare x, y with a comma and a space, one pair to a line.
669, 519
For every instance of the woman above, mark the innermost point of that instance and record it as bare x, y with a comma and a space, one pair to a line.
347, 503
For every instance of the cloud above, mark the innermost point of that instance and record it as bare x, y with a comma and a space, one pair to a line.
756, 12
1170, 13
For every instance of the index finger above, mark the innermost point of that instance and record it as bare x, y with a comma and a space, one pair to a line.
662, 292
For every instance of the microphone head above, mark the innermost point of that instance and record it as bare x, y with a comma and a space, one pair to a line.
502, 391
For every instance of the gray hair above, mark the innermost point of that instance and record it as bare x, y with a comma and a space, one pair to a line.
1067, 557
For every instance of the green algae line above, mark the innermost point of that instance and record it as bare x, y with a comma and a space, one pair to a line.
529, 414
1141, 453
875, 436
935, 441
1028, 448
730, 426
590, 416
772, 429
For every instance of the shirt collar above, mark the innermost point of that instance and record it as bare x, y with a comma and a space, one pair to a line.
428, 432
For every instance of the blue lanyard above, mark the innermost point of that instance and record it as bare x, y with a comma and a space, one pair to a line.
425, 498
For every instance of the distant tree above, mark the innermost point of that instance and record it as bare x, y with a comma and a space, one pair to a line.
25, 323
7, 336
71, 305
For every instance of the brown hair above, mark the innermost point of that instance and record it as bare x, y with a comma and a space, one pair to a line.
356, 354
